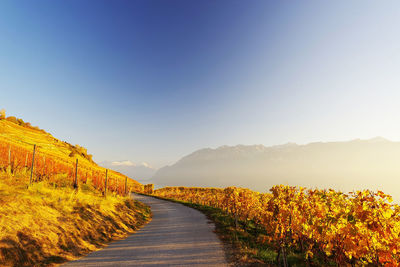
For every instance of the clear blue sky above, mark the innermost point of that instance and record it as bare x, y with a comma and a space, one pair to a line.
155, 80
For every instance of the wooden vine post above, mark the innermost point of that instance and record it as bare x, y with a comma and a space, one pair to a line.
105, 184
76, 175
33, 164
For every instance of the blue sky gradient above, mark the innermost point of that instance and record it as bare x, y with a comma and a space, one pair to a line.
155, 80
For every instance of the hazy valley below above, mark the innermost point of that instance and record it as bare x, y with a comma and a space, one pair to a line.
358, 164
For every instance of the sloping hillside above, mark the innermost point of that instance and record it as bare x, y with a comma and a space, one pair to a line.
52, 156
27, 136
58, 214
46, 225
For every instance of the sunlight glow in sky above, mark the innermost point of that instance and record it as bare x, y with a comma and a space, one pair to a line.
151, 81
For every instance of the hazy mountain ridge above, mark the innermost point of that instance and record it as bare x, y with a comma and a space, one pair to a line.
349, 165
142, 171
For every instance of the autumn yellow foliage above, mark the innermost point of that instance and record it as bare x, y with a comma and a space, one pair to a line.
357, 228
47, 225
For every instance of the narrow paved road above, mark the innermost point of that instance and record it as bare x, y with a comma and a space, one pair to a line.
176, 236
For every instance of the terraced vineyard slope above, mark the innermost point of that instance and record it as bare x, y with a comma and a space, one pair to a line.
55, 160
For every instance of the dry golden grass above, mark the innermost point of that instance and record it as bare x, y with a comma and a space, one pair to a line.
45, 225
25, 136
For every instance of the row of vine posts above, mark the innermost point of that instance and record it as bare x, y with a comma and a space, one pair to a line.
75, 183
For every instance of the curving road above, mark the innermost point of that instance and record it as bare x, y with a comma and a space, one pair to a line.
176, 236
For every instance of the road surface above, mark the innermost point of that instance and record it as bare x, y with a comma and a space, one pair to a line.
176, 236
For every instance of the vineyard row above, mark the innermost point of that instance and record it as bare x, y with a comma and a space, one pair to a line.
62, 171
358, 228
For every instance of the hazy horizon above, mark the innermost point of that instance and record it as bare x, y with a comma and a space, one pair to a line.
129, 168
144, 172
372, 164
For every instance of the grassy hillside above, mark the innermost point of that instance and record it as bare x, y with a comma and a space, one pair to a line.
53, 158
59, 216
23, 135
45, 225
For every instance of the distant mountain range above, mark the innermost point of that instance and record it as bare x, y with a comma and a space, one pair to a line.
356, 164
141, 171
